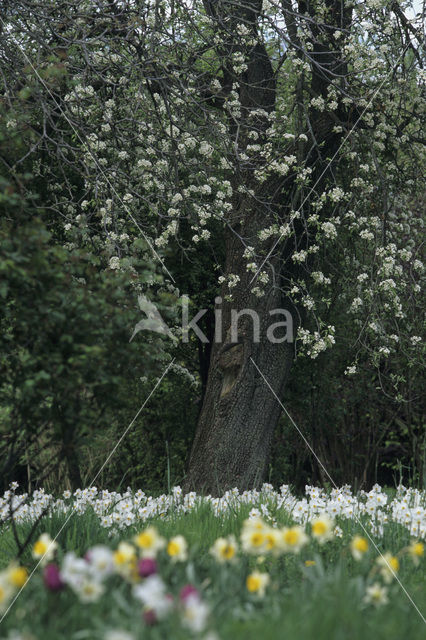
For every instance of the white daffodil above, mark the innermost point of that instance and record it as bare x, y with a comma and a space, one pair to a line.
44, 549
376, 594
101, 561
195, 614
322, 528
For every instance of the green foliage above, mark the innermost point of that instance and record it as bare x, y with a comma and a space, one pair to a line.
361, 435
65, 329
154, 452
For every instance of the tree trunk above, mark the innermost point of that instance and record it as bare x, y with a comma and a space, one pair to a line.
240, 412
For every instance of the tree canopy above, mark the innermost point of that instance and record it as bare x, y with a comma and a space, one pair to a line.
267, 153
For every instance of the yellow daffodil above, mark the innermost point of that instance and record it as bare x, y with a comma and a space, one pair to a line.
257, 582
253, 536
389, 566
359, 547
124, 553
125, 561
177, 549
224, 549
17, 576
293, 539
416, 551
322, 528
44, 548
149, 542
273, 540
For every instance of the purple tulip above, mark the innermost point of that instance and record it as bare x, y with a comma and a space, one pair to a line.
52, 577
187, 591
150, 617
147, 567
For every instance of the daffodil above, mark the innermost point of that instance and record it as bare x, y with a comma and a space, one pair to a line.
224, 549
359, 547
6, 592
89, 590
125, 561
273, 540
322, 528
195, 613
101, 561
123, 554
293, 539
389, 566
152, 593
376, 594
177, 549
310, 563
44, 549
149, 542
17, 575
416, 550
253, 536
257, 582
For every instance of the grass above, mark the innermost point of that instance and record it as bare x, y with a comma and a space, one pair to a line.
321, 602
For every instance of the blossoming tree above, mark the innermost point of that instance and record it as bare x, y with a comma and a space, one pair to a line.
287, 132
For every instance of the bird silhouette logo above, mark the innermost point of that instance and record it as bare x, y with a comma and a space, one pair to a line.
153, 320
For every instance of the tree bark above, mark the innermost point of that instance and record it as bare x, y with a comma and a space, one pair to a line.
240, 412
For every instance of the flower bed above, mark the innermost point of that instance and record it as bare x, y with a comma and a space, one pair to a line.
201, 564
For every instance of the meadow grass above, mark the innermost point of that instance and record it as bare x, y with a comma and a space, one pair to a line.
323, 601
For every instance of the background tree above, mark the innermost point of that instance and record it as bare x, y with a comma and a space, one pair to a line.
280, 139
65, 354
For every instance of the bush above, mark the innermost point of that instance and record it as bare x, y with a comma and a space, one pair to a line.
65, 353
